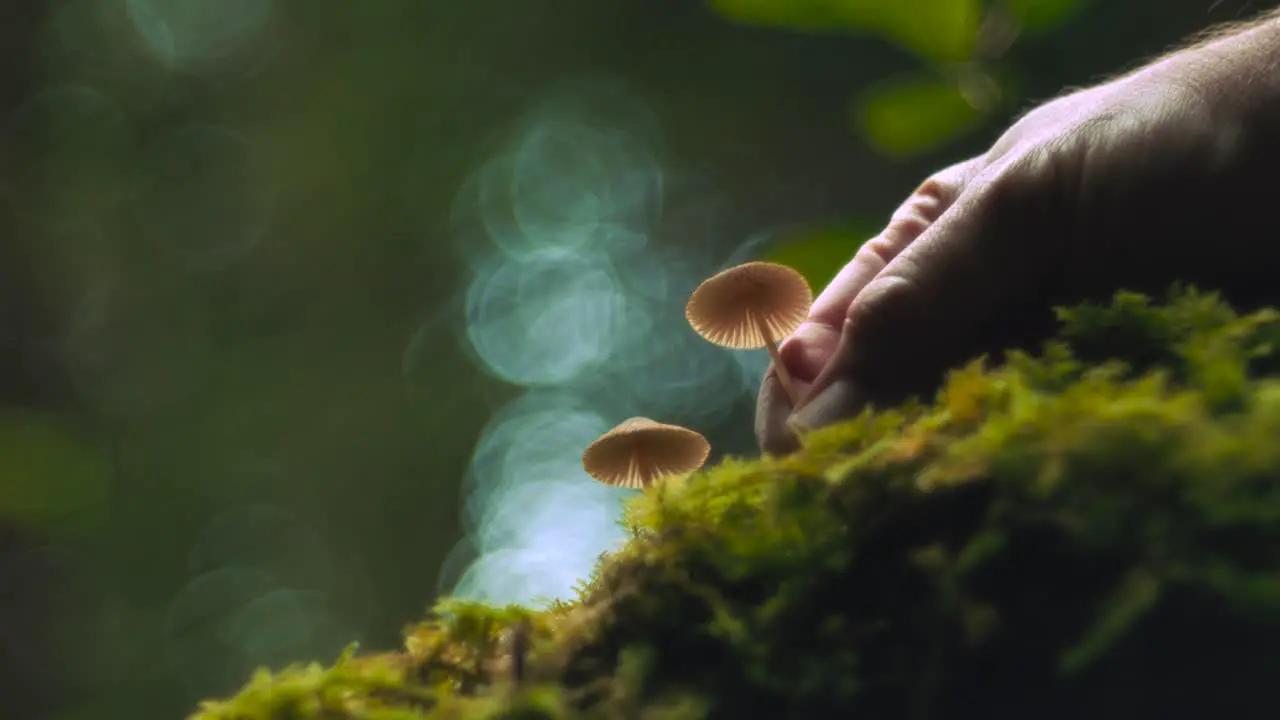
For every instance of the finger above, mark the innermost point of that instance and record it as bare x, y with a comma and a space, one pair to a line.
941, 298
773, 408
807, 351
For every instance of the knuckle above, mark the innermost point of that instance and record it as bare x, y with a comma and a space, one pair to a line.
882, 248
932, 188
886, 303
1015, 188
902, 229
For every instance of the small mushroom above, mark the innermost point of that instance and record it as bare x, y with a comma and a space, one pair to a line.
751, 306
639, 452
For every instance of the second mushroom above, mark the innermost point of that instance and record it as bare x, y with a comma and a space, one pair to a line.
639, 452
752, 306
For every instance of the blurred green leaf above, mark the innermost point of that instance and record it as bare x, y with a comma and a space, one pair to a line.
911, 115
938, 30
1041, 14
819, 253
943, 31
46, 472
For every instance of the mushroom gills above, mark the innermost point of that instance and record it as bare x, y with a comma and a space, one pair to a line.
638, 452
750, 306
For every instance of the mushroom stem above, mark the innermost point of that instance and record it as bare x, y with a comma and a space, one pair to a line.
780, 369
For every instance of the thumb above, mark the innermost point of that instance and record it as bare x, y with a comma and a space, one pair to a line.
979, 276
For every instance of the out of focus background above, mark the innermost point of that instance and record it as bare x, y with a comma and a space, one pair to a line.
309, 307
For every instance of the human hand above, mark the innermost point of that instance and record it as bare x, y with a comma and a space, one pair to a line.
1166, 174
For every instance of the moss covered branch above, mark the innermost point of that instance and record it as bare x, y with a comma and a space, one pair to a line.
1090, 532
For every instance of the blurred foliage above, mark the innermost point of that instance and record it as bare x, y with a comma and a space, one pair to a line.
961, 41
1087, 533
819, 253
912, 114
51, 476
940, 30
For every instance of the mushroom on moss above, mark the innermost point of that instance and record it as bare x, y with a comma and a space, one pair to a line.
752, 306
639, 452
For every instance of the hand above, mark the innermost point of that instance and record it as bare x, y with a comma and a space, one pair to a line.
1167, 174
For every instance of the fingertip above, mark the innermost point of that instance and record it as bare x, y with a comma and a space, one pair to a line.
773, 409
808, 350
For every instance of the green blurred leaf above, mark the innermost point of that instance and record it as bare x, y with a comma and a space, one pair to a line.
1041, 14
46, 472
939, 30
943, 31
819, 253
913, 114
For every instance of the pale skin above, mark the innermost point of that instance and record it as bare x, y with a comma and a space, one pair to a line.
1168, 173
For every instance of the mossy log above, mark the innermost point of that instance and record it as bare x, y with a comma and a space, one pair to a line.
1092, 532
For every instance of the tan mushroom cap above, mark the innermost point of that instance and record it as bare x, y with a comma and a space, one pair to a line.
749, 306
639, 452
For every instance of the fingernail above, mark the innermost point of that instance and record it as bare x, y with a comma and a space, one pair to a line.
838, 401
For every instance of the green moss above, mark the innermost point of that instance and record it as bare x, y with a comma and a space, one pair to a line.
1093, 532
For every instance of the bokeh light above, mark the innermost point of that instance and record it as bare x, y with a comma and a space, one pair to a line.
191, 34
546, 318
538, 519
264, 591
578, 294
